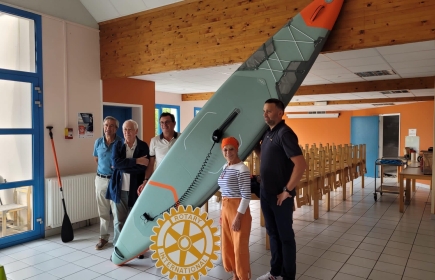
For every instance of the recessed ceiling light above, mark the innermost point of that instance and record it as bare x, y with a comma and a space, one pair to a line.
375, 73
383, 104
395, 91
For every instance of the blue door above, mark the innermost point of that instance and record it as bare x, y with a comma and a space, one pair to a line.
21, 129
120, 113
365, 130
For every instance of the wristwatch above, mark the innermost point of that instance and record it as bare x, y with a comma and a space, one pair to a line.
286, 190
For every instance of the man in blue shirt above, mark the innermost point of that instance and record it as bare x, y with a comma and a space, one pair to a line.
102, 154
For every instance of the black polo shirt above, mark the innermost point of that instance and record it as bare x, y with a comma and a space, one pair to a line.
277, 147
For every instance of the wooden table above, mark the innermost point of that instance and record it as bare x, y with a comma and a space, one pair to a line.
409, 174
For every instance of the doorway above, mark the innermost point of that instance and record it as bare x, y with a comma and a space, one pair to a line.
120, 113
123, 112
365, 130
389, 141
21, 128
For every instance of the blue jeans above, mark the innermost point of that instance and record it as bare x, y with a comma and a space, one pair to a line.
120, 215
279, 226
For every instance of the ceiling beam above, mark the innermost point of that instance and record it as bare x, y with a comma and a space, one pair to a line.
218, 32
383, 85
368, 101
196, 96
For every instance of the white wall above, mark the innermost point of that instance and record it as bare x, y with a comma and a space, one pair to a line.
186, 107
187, 111
64, 99
70, 10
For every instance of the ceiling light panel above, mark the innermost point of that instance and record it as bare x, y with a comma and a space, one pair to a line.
316, 82
378, 78
325, 65
346, 96
406, 48
411, 56
322, 58
152, 4
330, 71
340, 76
382, 104
323, 97
302, 98
101, 10
369, 95
416, 69
373, 60
340, 80
128, 7
395, 91
375, 73
418, 74
414, 64
372, 67
424, 92
352, 54
398, 95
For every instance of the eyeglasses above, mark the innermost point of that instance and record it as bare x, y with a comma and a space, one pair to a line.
166, 122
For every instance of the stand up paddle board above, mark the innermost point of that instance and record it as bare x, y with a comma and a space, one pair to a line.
188, 174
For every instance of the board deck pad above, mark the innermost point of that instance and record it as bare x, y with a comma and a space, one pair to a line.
192, 166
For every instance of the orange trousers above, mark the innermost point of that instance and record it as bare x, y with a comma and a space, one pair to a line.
235, 244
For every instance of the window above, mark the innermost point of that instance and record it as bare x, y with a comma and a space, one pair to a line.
21, 126
196, 110
17, 43
164, 108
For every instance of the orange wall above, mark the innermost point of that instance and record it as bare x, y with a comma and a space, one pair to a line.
332, 131
133, 91
416, 115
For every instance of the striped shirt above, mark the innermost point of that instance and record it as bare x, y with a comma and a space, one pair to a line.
235, 182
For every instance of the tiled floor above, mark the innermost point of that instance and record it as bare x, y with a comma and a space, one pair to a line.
358, 239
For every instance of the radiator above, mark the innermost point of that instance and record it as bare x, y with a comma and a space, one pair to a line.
80, 200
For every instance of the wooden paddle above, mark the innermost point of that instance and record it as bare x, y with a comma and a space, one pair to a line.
67, 233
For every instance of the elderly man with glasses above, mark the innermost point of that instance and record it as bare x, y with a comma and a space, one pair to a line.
130, 161
160, 145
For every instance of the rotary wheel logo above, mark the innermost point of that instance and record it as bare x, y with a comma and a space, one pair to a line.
184, 243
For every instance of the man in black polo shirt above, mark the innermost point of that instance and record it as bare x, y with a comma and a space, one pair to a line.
282, 166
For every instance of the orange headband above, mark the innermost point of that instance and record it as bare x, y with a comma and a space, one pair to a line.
230, 141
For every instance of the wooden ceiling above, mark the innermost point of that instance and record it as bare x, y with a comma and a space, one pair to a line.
197, 34
217, 32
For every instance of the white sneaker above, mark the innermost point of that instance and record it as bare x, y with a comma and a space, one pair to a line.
269, 276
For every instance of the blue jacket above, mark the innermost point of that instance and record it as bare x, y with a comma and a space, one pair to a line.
121, 165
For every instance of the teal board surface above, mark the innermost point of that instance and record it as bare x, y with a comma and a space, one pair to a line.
275, 70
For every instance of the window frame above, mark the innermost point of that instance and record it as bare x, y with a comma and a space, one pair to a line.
37, 131
195, 109
160, 108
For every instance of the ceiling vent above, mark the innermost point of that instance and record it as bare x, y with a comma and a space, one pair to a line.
383, 104
395, 91
375, 73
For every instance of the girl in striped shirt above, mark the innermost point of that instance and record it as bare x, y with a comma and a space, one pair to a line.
235, 186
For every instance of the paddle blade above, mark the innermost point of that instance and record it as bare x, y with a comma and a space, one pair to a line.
67, 233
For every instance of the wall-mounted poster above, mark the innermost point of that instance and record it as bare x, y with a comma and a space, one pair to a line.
85, 125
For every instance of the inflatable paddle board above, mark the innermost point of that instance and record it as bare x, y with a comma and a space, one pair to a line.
188, 174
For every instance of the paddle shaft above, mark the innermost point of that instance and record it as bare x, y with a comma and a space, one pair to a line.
55, 159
